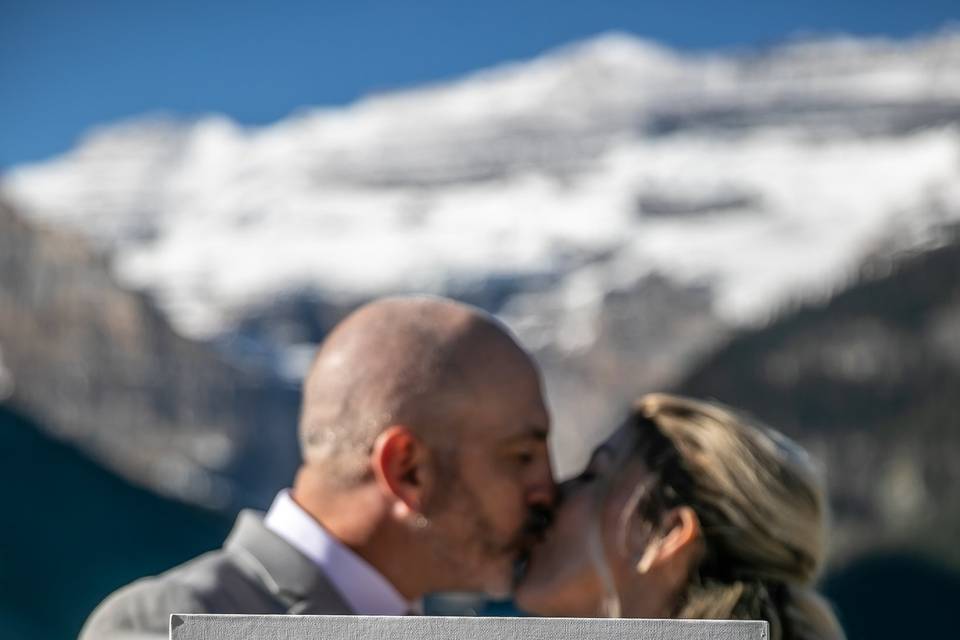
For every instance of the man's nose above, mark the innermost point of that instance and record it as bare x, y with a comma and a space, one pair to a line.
543, 494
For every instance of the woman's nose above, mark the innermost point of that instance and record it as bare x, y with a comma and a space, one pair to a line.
565, 489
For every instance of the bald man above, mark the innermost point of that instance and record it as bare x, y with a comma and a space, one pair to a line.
425, 468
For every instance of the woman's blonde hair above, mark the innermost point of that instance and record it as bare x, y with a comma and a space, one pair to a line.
761, 509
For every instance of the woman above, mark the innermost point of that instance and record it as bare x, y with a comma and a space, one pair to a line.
688, 511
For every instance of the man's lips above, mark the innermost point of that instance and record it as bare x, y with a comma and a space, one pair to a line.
537, 523
532, 538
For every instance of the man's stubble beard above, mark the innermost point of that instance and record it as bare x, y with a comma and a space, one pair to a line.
465, 538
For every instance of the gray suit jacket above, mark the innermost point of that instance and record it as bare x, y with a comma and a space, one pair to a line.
256, 571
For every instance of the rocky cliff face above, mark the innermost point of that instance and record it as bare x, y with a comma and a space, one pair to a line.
866, 379
101, 368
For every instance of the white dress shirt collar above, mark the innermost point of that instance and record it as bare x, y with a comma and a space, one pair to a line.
363, 587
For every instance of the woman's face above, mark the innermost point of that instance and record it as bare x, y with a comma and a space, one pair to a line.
589, 536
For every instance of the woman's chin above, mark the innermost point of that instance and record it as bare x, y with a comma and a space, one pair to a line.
530, 600
539, 592
531, 594
542, 600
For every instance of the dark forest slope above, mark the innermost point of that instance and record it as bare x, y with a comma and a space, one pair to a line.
870, 381
73, 532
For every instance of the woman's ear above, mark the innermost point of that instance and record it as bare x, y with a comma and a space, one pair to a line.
682, 532
678, 544
399, 463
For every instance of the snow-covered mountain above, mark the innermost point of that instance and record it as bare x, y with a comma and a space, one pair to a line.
716, 187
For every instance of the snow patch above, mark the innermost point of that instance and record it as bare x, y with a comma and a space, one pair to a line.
767, 176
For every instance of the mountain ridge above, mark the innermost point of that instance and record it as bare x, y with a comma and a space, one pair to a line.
714, 187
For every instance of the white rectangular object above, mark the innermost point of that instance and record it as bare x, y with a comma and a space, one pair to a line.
289, 627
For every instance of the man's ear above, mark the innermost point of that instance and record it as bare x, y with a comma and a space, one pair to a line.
679, 543
399, 463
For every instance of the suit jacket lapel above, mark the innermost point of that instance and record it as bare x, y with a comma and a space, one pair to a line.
296, 582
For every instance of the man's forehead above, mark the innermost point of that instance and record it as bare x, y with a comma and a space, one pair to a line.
538, 432
509, 429
503, 397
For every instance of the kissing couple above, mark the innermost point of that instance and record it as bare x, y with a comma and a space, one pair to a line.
425, 469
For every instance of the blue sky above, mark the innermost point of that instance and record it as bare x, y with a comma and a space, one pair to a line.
66, 66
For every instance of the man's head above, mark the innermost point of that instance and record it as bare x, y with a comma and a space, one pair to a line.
430, 416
